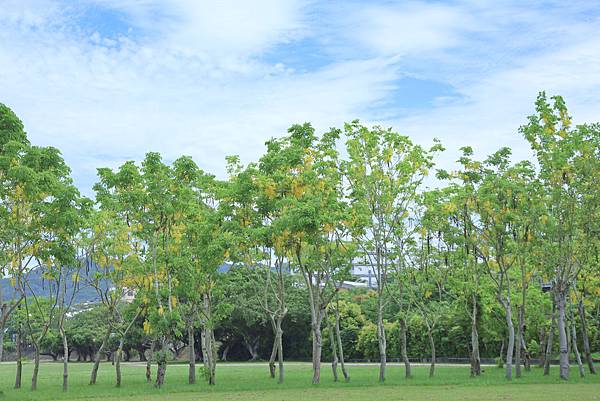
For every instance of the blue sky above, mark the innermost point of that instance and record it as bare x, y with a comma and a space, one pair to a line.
108, 80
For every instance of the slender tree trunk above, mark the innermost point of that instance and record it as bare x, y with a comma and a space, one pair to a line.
192, 355
99, 355
149, 361
381, 339
252, 346
542, 348
65, 359
36, 366
225, 353
334, 356
273, 354
518, 347
475, 358
340, 345
118, 357
432, 345
2, 328
407, 372
585, 337
280, 349
317, 348
19, 374
562, 335
161, 360
205, 356
511, 338
208, 350
550, 339
526, 354
213, 357
574, 346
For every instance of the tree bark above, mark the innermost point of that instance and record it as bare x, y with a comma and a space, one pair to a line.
518, 347
19, 373
475, 358
118, 356
99, 355
562, 334
225, 353
280, 350
251, 347
334, 356
2, 328
161, 360
273, 356
574, 346
213, 357
585, 337
432, 345
205, 356
36, 366
316, 349
340, 345
65, 359
511, 338
149, 361
550, 340
192, 355
381, 339
407, 371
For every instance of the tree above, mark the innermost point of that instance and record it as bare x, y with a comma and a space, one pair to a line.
384, 172
562, 153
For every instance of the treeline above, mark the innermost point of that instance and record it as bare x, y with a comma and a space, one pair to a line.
499, 258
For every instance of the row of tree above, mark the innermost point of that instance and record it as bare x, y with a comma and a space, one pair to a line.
490, 229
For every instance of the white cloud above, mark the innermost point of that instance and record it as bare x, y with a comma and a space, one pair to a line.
188, 77
411, 27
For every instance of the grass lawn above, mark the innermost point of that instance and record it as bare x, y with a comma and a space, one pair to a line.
250, 382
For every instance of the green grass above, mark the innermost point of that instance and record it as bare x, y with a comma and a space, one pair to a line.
250, 382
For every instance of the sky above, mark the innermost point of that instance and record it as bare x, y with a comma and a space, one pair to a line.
106, 81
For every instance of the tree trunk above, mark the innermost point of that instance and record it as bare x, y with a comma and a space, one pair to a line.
407, 372
149, 361
542, 348
475, 358
213, 357
562, 334
36, 366
118, 357
574, 346
518, 346
273, 356
65, 359
340, 346
316, 350
161, 360
511, 339
334, 356
2, 328
19, 374
432, 345
526, 354
381, 340
585, 337
192, 355
99, 355
251, 347
280, 349
205, 356
225, 353
550, 340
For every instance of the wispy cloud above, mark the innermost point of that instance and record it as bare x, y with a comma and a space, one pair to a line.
108, 80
